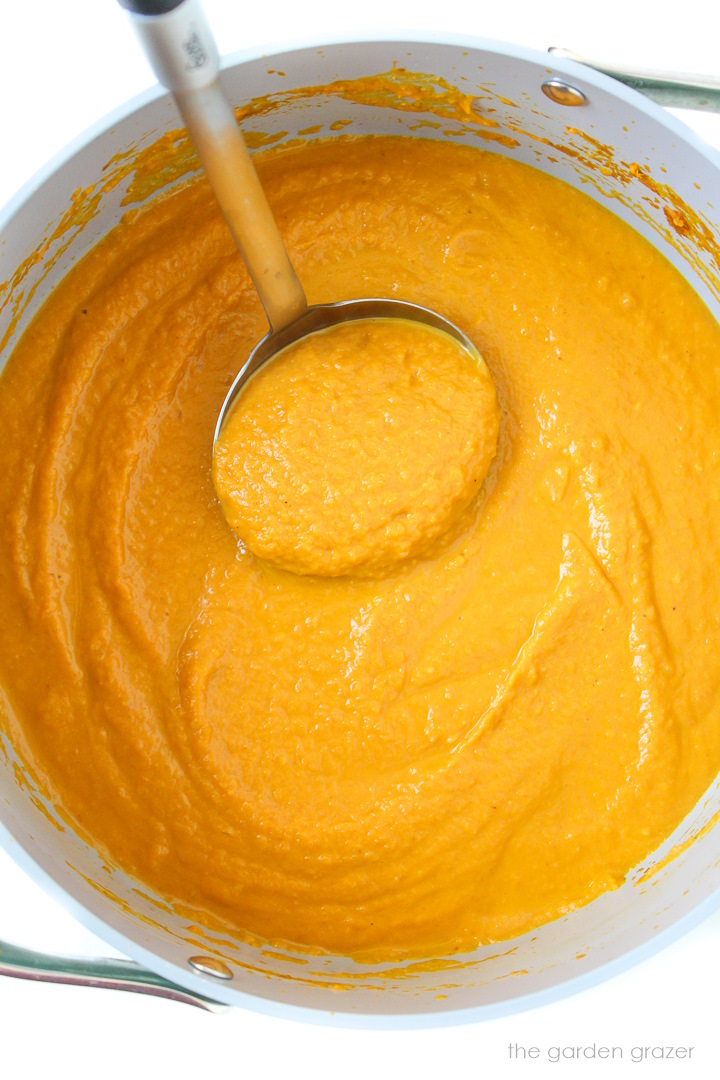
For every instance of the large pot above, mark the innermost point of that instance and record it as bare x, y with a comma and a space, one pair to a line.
648, 169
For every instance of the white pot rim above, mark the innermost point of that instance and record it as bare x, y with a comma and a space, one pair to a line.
557, 64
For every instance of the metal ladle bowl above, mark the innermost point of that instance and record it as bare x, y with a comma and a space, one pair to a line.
322, 317
182, 51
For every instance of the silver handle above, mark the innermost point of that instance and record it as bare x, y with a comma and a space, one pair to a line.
178, 42
181, 49
20, 963
672, 89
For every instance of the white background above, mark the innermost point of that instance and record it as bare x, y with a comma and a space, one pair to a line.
63, 65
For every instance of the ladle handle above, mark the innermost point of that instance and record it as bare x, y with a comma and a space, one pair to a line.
181, 49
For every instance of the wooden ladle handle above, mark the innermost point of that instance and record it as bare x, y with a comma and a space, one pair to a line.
182, 52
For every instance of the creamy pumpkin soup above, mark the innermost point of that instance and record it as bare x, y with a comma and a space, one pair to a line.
456, 672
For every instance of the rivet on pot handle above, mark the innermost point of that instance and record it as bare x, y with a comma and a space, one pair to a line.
105, 974
674, 91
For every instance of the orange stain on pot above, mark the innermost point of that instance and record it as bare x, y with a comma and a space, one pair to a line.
677, 849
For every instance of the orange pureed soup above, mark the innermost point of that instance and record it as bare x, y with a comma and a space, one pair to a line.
463, 741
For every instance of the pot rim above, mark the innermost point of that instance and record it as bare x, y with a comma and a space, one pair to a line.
571, 68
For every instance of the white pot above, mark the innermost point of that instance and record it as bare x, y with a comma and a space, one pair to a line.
618, 928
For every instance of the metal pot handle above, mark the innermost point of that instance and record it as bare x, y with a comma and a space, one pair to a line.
20, 963
675, 91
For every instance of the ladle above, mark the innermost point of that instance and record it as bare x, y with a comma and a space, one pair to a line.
180, 46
